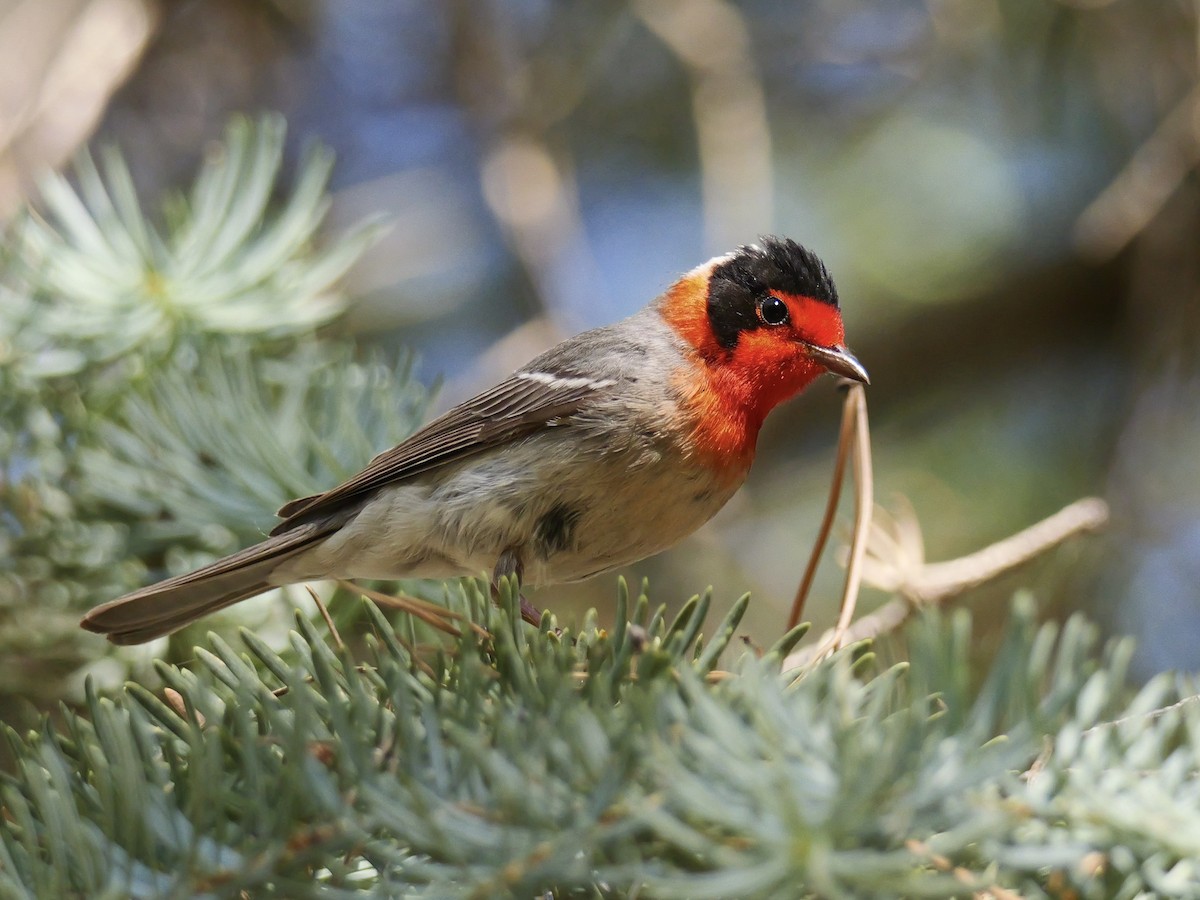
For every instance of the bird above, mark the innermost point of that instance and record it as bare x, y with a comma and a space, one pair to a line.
606, 449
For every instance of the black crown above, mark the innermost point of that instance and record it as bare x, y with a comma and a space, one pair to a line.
780, 264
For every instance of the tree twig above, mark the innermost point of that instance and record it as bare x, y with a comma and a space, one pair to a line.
1143, 187
931, 584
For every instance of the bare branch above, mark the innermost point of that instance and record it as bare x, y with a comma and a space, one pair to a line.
1143, 187
933, 583
1146, 716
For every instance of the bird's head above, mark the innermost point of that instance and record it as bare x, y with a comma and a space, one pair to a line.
764, 322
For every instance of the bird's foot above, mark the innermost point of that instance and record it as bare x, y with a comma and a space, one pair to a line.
531, 613
509, 564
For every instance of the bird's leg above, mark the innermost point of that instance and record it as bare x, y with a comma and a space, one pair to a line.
509, 563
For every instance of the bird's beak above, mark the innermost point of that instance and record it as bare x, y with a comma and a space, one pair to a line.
839, 361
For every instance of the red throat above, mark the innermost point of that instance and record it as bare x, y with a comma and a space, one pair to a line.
730, 400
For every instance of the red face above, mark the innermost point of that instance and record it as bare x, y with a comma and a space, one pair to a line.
764, 323
775, 361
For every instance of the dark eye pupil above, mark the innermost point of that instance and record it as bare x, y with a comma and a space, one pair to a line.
773, 311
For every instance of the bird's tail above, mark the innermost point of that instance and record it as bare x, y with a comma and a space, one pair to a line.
169, 605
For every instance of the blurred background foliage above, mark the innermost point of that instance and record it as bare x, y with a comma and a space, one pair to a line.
1004, 190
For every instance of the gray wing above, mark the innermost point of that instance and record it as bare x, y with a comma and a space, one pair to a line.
526, 402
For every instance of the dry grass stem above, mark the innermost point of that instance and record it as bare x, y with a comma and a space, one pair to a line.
855, 412
864, 503
337, 638
427, 612
845, 440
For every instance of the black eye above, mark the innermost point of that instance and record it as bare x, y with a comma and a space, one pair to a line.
772, 311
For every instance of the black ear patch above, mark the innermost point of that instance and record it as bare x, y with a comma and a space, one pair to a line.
778, 264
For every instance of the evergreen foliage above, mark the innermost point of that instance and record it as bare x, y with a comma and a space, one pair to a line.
614, 764
162, 389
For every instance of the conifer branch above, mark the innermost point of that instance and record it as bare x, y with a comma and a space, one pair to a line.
607, 762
